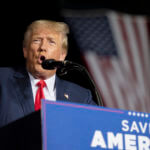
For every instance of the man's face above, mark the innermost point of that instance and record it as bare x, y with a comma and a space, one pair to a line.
43, 42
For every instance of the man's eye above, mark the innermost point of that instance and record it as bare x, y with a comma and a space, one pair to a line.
52, 42
36, 41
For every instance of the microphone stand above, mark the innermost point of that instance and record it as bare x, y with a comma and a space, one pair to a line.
68, 66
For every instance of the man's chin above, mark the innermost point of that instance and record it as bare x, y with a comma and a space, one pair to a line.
43, 73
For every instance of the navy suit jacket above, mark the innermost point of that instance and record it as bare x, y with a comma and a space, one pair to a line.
16, 98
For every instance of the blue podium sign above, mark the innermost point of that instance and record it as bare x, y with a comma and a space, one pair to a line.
71, 126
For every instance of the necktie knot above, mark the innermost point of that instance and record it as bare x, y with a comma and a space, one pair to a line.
41, 83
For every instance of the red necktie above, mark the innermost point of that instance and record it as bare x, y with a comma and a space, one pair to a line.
39, 95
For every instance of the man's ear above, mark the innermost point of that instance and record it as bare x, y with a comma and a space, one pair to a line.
25, 52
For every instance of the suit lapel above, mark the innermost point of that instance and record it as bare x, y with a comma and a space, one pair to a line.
24, 92
61, 91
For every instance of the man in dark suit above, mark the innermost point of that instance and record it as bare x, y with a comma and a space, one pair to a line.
43, 39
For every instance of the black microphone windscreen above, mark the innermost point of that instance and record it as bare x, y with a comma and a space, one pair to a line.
51, 64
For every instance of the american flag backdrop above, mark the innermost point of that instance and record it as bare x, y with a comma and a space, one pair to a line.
116, 49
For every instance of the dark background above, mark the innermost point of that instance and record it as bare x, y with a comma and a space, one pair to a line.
15, 16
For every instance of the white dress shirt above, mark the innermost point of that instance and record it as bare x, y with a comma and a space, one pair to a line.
49, 89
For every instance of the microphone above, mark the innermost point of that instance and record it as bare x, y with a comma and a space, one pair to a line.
51, 64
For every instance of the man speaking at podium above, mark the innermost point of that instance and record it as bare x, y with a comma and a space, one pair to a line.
22, 88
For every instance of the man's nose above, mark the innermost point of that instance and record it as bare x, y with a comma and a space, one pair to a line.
43, 46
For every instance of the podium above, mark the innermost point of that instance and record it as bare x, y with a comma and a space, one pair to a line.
72, 126
22, 134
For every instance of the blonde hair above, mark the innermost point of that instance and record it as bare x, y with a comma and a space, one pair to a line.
60, 27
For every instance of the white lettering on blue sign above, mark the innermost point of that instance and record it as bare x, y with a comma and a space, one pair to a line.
98, 140
134, 126
120, 141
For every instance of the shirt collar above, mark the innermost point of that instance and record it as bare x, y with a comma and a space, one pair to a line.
50, 82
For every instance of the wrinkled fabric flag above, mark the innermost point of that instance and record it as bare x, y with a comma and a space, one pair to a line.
116, 49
